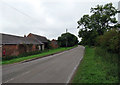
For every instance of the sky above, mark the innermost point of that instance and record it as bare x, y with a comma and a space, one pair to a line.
49, 18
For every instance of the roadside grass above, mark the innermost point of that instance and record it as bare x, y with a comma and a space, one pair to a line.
52, 51
95, 69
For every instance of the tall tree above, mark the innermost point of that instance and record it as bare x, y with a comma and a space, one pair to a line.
102, 18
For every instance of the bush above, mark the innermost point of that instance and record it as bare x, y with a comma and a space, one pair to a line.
21, 55
106, 56
110, 40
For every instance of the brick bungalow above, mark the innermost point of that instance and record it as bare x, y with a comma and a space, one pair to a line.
54, 43
39, 38
14, 45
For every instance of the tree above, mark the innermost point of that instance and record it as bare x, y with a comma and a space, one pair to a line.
67, 39
102, 19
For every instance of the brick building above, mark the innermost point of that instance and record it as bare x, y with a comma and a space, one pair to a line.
54, 44
14, 45
39, 38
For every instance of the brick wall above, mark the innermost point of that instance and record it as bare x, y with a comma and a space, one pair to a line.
34, 48
10, 50
14, 50
54, 44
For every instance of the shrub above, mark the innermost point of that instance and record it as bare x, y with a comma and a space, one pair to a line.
21, 55
110, 40
106, 56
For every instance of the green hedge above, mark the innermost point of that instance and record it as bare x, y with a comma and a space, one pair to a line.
22, 55
110, 41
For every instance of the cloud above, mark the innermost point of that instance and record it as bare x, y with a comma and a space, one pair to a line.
48, 18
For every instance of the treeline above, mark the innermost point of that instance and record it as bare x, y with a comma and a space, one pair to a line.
101, 28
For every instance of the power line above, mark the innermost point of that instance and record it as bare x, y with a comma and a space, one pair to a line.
17, 10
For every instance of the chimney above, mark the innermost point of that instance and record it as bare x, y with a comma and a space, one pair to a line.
24, 35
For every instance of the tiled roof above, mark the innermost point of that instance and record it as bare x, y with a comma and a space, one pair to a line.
12, 39
40, 38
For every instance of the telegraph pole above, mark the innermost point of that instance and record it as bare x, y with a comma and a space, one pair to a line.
66, 37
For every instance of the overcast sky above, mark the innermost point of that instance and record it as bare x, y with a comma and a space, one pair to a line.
48, 18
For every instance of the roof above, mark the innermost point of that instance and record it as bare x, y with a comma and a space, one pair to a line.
40, 38
12, 39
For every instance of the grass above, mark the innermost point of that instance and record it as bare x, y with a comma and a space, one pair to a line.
96, 69
52, 51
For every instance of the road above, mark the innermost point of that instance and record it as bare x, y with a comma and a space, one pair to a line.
57, 68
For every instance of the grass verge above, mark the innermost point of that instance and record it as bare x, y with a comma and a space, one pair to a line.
95, 69
52, 51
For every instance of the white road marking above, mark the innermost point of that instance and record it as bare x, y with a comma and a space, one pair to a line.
9, 80
16, 77
75, 68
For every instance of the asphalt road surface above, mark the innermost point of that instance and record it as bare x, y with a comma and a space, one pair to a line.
57, 68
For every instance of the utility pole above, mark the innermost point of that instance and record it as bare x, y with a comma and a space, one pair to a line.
66, 37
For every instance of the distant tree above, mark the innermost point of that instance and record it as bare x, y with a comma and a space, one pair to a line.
102, 19
67, 39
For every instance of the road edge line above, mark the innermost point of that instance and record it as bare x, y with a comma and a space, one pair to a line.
74, 70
